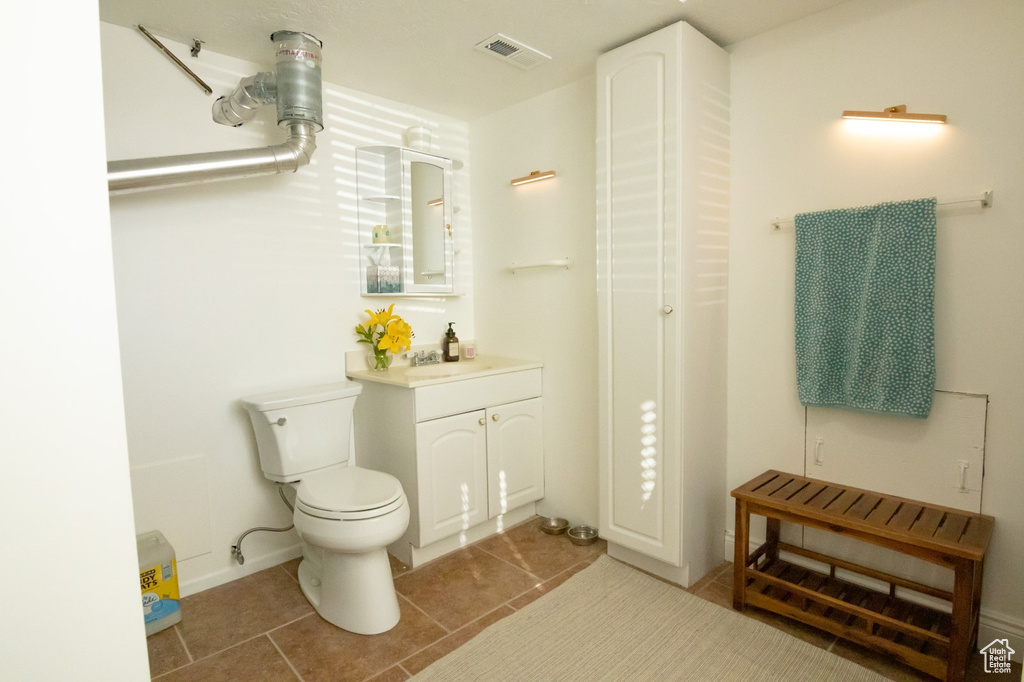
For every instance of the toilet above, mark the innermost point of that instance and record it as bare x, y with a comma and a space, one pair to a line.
344, 515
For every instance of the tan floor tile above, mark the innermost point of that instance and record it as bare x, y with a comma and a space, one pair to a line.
256, 659
321, 651
228, 614
716, 592
414, 664
546, 586
397, 567
462, 586
165, 652
292, 568
392, 674
724, 568
536, 552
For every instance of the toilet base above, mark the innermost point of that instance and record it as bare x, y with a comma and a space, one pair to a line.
352, 591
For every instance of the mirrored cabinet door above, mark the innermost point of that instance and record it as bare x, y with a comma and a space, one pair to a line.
405, 222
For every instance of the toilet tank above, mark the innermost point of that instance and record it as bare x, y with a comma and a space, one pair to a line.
304, 429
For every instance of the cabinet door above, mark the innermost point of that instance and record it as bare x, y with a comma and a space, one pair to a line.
638, 279
515, 455
451, 467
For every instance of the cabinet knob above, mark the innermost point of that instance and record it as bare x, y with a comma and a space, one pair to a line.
494, 417
667, 309
481, 421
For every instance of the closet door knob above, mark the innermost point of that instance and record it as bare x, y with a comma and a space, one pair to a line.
667, 309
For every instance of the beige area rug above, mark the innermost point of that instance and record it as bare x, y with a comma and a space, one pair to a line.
610, 622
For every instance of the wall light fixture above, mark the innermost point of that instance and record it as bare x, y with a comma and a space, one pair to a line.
534, 177
897, 113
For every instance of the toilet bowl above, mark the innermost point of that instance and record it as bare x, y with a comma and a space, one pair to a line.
345, 515
345, 573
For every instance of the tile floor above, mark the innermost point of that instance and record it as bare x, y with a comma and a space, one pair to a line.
261, 627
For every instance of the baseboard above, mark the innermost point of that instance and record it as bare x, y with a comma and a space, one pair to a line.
417, 556
993, 625
234, 572
679, 575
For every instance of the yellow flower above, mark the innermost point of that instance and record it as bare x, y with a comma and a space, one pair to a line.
397, 337
381, 317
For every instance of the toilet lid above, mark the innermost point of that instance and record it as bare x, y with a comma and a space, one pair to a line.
348, 489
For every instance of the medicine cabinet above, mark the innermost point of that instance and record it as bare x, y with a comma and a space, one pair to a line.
406, 244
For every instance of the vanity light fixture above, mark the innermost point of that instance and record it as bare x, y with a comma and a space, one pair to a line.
534, 177
897, 113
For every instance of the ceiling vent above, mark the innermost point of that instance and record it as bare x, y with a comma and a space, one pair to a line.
512, 51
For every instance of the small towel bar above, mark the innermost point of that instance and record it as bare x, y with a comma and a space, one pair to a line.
560, 263
984, 200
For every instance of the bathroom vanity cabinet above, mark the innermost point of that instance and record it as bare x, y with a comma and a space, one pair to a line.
475, 466
467, 447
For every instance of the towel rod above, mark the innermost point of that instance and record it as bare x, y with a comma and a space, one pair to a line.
984, 200
560, 263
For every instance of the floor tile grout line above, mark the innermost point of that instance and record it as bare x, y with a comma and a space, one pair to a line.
424, 648
265, 632
199, 660
535, 587
286, 659
478, 618
417, 607
181, 638
281, 566
509, 563
294, 620
404, 669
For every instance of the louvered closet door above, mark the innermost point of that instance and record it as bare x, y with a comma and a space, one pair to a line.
637, 289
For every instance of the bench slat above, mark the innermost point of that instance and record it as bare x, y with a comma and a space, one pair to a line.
892, 519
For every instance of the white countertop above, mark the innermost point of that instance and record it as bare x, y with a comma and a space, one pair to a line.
407, 376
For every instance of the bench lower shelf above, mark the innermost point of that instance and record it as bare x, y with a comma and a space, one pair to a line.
916, 635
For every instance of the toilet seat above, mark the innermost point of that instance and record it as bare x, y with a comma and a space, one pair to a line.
348, 494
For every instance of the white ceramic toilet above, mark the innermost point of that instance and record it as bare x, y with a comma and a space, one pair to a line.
345, 515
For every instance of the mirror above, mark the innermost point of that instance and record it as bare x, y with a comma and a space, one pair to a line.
428, 223
405, 222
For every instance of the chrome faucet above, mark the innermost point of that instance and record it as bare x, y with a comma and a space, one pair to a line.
417, 358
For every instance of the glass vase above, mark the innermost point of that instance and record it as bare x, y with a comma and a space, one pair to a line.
379, 360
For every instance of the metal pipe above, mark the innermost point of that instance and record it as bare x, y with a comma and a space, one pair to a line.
297, 88
241, 105
135, 175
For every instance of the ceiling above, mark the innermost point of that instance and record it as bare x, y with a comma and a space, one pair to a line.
421, 52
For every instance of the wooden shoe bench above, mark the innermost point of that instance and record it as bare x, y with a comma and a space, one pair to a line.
933, 641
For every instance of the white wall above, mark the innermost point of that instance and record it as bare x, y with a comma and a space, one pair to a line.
551, 314
238, 287
792, 153
69, 589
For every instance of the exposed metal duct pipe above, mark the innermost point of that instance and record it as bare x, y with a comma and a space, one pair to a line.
296, 87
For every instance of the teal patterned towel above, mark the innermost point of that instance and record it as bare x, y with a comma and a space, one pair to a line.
865, 293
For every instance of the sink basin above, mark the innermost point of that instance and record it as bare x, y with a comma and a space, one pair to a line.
448, 369
445, 372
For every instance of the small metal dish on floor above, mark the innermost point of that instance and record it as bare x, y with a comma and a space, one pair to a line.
553, 525
583, 535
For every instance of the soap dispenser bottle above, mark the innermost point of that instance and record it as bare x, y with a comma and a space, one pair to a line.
450, 345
